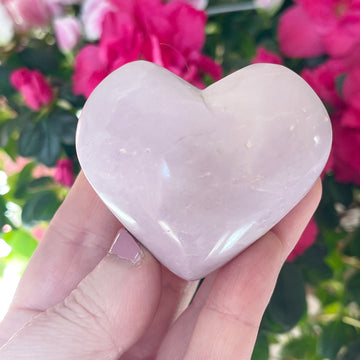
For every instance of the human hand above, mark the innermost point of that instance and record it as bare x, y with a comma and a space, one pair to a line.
75, 301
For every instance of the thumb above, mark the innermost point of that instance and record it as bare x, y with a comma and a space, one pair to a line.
106, 314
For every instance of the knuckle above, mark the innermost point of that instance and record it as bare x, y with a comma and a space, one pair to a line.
84, 310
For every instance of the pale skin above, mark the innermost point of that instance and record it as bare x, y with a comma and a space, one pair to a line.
76, 302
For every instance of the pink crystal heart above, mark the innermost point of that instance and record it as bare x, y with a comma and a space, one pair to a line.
197, 176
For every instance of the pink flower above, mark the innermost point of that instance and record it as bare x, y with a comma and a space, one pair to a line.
64, 172
346, 148
29, 13
306, 240
338, 21
38, 232
170, 35
121, 40
312, 28
67, 32
298, 35
346, 125
352, 59
12, 167
265, 56
351, 89
41, 170
33, 86
323, 81
89, 70
92, 16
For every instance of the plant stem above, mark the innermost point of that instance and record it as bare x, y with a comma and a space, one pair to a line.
224, 9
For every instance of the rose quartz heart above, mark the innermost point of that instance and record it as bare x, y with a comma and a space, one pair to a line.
197, 176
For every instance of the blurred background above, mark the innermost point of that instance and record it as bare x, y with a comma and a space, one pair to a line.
54, 52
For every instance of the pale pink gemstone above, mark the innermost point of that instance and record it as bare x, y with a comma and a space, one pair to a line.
197, 176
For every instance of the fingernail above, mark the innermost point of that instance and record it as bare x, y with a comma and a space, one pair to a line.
126, 247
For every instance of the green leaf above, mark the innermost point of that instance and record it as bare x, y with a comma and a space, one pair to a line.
41, 56
4, 136
332, 238
329, 292
353, 246
334, 192
50, 149
22, 181
6, 130
287, 304
339, 82
41, 183
3, 219
21, 242
5, 86
352, 352
11, 148
353, 287
312, 263
38, 140
66, 93
261, 350
63, 123
303, 348
40, 207
3, 264
335, 261
334, 336
326, 215
31, 139
7, 139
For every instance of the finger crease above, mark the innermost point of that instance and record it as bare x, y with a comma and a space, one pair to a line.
227, 315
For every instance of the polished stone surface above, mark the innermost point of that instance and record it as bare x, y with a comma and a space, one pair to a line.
197, 176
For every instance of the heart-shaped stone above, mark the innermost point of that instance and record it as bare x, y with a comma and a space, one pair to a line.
197, 176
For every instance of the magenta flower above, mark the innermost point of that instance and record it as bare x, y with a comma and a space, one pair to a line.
311, 28
323, 80
306, 240
67, 32
30, 13
298, 35
338, 21
171, 35
64, 173
346, 148
33, 86
344, 103
265, 56
92, 16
